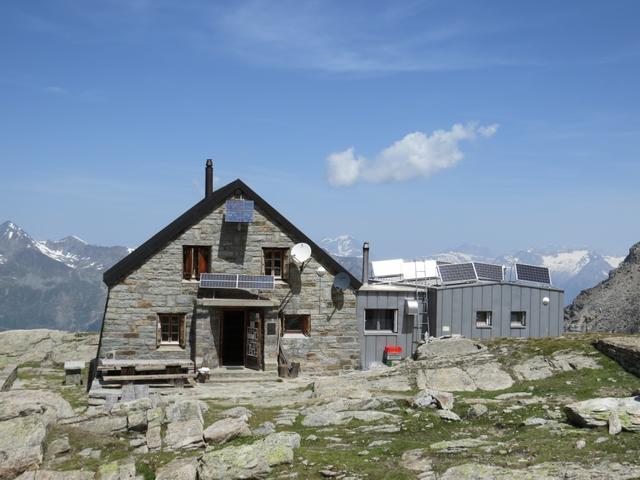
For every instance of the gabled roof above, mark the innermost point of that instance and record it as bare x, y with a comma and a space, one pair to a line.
140, 255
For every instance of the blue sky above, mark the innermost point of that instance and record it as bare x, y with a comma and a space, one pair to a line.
328, 109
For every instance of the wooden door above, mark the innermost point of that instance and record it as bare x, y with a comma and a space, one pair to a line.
253, 352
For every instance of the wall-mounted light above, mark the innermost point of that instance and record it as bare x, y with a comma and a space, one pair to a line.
545, 301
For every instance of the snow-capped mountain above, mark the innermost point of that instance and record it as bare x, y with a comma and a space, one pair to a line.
342, 246
571, 269
52, 284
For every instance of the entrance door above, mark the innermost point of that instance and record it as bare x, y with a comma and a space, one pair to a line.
233, 334
254, 349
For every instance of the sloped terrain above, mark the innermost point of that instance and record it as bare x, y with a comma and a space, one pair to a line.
613, 305
506, 415
52, 284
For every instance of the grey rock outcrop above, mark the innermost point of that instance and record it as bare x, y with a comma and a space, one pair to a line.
25, 418
597, 413
624, 350
543, 471
226, 429
53, 475
249, 461
612, 305
179, 469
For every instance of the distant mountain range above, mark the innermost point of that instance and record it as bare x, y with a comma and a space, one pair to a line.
58, 283
52, 284
573, 270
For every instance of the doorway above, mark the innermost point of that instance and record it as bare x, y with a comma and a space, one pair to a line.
233, 334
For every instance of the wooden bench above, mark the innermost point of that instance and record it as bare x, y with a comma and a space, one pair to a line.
175, 371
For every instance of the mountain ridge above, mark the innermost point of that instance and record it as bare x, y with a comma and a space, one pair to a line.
572, 269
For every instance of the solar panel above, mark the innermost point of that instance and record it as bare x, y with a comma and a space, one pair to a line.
238, 211
232, 280
489, 271
457, 272
532, 273
258, 282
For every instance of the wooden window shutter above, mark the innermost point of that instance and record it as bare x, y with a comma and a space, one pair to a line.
187, 259
285, 264
182, 332
306, 325
203, 261
158, 331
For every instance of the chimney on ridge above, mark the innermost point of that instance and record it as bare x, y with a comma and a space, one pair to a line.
365, 263
208, 179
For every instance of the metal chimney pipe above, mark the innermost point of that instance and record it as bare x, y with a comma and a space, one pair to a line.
365, 263
208, 179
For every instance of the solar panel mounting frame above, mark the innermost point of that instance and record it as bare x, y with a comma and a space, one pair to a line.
239, 281
481, 275
545, 279
237, 210
459, 267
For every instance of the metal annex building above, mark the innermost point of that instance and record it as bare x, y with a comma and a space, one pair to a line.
402, 302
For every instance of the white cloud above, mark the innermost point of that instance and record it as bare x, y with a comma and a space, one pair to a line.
415, 155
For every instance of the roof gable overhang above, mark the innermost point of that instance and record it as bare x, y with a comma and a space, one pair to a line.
171, 232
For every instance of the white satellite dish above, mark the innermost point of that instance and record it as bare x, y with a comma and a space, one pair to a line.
300, 253
341, 281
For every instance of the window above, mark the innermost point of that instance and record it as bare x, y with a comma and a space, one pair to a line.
195, 260
380, 320
171, 329
296, 324
518, 319
275, 262
483, 319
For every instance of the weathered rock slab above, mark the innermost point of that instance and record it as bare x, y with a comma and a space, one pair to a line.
179, 469
597, 412
249, 461
543, 471
184, 434
226, 429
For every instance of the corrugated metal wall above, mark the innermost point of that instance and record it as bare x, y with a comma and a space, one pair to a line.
456, 307
372, 344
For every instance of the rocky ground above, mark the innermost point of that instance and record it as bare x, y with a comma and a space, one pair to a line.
535, 409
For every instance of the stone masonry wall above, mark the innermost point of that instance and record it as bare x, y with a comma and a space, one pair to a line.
157, 287
624, 350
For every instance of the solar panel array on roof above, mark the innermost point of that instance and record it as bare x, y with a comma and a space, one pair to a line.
489, 271
457, 273
532, 273
238, 211
231, 280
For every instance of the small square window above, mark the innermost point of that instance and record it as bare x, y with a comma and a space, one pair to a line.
171, 329
483, 319
296, 324
275, 262
380, 320
518, 319
195, 260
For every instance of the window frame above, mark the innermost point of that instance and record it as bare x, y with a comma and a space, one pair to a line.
180, 334
523, 319
284, 263
379, 331
488, 322
304, 331
191, 256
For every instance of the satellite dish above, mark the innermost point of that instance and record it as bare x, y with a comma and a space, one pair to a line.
300, 253
341, 281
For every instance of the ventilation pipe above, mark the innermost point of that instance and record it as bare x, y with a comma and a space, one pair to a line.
208, 179
365, 263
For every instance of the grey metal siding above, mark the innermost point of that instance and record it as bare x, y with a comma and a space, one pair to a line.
372, 345
456, 307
